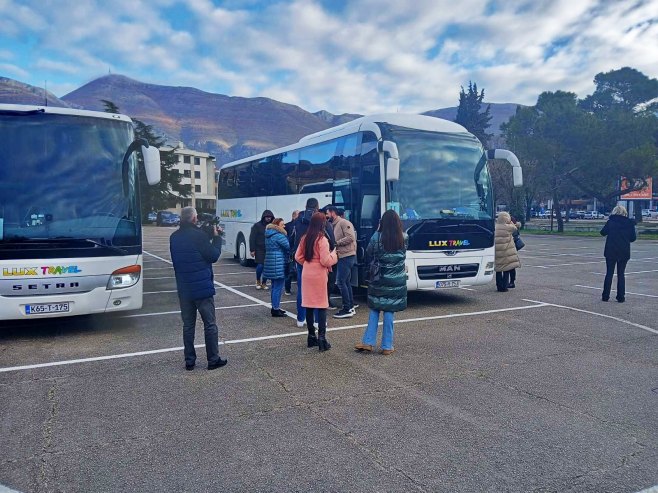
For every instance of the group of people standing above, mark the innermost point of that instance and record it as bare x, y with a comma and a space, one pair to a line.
316, 244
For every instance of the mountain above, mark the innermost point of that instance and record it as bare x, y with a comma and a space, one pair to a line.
227, 127
15, 92
335, 120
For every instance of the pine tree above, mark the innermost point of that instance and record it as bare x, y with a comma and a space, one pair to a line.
469, 115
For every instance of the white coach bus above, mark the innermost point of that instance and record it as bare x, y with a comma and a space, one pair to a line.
431, 171
70, 225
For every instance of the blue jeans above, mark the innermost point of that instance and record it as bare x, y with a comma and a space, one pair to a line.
259, 272
277, 291
344, 280
370, 335
206, 308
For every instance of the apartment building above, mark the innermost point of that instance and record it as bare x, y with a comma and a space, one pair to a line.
198, 170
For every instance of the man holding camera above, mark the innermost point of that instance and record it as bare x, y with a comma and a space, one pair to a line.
193, 252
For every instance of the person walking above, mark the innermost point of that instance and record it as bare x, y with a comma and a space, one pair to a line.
316, 258
192, 253
277, 251
387, 291
346, 250
290, 264
518, 244
257, 246
619, 231
506, 256
299, 229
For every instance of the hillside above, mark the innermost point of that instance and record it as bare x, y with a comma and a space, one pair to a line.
228, 127
15, 92
500, 113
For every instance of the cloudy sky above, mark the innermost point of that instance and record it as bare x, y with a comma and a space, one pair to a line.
360, 56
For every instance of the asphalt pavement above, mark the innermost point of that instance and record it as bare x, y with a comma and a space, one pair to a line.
543, 388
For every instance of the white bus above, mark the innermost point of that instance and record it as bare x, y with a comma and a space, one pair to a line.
431, 171
70, 226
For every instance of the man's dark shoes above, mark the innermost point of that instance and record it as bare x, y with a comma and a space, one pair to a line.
342, 313
311, 341
511, 286
605, 298
277, 313
189, 367
220, 362
621, 300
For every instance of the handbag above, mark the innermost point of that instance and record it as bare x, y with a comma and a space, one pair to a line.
518, 242
374, 269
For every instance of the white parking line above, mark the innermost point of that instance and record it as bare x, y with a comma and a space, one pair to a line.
624, 321
627, 292
261, 338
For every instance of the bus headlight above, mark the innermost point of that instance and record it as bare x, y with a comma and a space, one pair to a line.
124, 277
488, 270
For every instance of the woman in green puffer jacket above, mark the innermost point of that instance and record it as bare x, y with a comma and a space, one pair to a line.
387, 293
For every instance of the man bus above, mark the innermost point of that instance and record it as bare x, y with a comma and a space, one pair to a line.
431, 171
70, 225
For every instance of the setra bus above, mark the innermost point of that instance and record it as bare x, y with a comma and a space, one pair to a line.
70, 222
433, 172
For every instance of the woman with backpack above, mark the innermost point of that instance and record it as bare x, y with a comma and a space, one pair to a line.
620, 233
316, 259
387, 291
277, 250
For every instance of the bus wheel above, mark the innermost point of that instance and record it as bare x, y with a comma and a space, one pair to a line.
242, 252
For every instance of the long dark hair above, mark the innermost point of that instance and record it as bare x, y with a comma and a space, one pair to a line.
390, 227
315, 230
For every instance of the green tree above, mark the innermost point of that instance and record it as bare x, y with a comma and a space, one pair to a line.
166, 192
469, 115
626, 89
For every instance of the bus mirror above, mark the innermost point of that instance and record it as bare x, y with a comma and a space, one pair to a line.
151, 164
392, 169
510, 157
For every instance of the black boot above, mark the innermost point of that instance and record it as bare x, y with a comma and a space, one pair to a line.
277, 313
323, 343
311, 340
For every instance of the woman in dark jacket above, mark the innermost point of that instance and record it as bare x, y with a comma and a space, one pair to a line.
257, 246
277, 251
388, 292
620, 232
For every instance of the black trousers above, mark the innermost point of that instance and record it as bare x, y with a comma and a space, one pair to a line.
322, 321
610, 264
206, 308
502, 280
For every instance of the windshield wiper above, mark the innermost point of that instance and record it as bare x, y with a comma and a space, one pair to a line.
22, 112
18, 240
418, 226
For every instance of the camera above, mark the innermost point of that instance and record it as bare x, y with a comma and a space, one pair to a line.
207, 222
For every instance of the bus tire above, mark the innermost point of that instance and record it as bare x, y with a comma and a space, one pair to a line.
242, 252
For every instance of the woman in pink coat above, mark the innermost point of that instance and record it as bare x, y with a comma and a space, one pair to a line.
314, 255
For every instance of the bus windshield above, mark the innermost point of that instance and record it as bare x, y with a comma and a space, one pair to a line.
441, 176
62, 179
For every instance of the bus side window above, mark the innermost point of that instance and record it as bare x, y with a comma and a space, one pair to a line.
369, 160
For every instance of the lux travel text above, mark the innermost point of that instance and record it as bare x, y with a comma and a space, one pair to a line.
34, 271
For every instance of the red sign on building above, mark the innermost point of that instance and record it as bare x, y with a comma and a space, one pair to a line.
642, 194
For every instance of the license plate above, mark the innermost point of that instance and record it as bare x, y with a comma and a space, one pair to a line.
46, 308
447, 284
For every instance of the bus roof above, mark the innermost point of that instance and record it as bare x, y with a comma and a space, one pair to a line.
417, 122
56, 110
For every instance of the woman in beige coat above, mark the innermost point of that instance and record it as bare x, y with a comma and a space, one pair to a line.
507, 257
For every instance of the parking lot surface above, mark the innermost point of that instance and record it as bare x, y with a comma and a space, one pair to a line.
543, 388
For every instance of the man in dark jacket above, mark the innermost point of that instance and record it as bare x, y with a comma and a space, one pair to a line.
193, 253
290, 270
300, 225
620, 232
257, 246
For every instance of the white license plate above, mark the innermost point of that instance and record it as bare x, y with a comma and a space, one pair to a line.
447, 284
46, 308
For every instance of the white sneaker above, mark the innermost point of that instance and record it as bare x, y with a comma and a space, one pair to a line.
301, 324
265, 287
259, 285
353, 311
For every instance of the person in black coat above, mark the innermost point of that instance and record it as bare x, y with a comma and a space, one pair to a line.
192, 253
620, 233
257, 246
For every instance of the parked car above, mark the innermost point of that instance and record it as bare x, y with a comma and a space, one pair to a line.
152, 217
167, 218
593, 215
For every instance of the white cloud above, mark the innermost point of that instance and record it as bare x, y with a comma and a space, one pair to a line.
368, 56
14, 70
